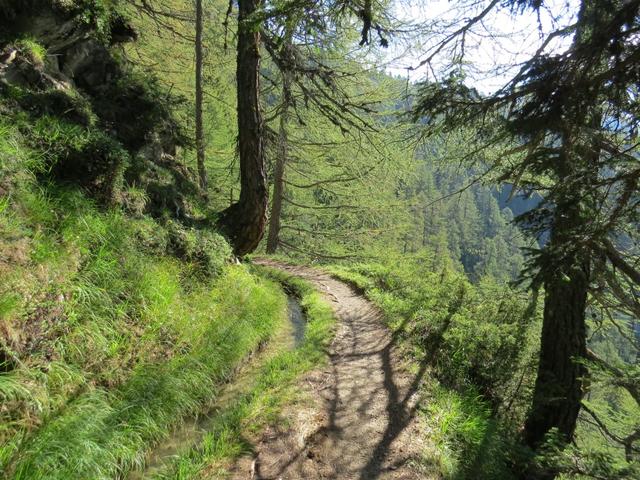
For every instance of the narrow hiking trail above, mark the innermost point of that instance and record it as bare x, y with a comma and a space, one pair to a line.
359, 420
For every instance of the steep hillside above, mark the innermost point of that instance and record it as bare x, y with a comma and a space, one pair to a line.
120, 309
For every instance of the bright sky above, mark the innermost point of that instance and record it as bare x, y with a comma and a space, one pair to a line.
513, 38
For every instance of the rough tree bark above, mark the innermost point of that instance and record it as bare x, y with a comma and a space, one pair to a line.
559, 384
202, 172
561, 376
273, 238
244, 221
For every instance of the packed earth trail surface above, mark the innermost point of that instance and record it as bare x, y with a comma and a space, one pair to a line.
359, 420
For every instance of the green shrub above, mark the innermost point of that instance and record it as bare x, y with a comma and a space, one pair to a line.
208, 250
99, 15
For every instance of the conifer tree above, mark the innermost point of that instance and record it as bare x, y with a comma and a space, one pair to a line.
564, 126
245, 220
200, 146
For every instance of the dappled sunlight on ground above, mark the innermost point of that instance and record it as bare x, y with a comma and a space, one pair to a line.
359, 421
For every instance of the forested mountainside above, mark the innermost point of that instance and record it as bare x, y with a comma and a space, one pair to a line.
164, 163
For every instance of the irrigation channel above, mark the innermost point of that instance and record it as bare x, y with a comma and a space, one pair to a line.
191, 431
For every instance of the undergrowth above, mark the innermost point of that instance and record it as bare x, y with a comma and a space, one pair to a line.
113, 328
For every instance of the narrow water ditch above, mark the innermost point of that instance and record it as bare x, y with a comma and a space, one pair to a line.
192, 430
297, 320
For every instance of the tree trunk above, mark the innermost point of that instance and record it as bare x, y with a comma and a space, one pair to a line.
273, 237
202, 172
425, 226
559, 389
559, 384
244, 221
561, 376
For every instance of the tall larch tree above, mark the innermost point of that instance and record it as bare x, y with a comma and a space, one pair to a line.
244, 221
564, 127
273, 237
199, 55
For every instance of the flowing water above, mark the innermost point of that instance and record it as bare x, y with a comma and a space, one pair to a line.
192, 430
297, 321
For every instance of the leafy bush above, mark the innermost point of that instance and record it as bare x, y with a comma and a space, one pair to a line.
207, 250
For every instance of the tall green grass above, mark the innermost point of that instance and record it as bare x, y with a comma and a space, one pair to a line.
111, 339
104, 433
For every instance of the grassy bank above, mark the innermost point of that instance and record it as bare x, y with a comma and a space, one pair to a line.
114, 326
271, 386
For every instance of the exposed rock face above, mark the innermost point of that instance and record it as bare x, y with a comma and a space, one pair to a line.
74, 56
80, 81
89, 64
6, 58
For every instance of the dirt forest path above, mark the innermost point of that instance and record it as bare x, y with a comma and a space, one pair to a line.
359, 421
